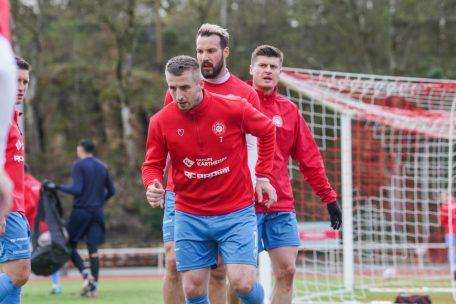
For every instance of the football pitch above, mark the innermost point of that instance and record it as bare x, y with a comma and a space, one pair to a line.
147, 291
112, 291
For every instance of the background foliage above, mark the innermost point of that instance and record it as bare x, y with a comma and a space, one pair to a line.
97, 69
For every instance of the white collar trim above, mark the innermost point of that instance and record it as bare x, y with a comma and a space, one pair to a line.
219, 80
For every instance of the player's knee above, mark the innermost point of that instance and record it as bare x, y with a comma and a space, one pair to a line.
193, 289
170, 257
219, 274
242, 284
170, 262
287, 273
21, 273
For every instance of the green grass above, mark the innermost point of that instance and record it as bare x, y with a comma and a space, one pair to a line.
145, 291
333, 284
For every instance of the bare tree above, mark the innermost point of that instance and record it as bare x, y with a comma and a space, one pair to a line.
123, 33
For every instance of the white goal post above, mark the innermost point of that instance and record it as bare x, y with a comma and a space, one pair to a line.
389, 151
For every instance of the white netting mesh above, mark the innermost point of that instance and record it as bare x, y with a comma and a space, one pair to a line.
402, 151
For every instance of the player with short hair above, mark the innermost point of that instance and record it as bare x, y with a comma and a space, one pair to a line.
211, 52
204, 134
8, 83
447, 207
15, 242
277, 226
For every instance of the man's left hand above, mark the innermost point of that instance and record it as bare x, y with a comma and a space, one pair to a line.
265, 187
335, 215
49, 185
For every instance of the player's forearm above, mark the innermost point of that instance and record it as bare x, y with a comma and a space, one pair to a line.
266, 147
8, 89
156, 155
149, 173
317, 180
257, 124
71, 188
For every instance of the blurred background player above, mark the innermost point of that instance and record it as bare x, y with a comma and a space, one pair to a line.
211, 52
277, 226
450, 232
92, 186
32, 192
204, 135
15, 242
8, 89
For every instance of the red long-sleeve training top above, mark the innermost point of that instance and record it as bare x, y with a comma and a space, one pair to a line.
14, 164
207, 147
293, 139
231, 86
444, 217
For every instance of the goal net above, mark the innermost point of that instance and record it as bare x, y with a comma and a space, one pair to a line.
389, 152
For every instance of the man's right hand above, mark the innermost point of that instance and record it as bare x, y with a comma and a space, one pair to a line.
6, 194
155, 194
265, 187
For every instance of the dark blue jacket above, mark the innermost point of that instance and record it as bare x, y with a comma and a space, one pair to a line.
92, 184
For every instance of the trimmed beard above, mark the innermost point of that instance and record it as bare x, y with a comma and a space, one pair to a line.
216, 69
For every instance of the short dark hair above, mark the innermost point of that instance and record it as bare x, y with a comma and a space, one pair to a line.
267, 51
22, 64
179, 64
88, 145
208, 29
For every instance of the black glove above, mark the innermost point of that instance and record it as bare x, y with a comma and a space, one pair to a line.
335, 215
49, 185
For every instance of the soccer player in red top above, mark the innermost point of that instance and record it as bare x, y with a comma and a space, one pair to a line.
15, 249
204, 134
8, 82
450, 230
277, 226
211, 52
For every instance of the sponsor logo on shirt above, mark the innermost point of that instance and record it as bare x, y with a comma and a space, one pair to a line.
208, 162
180, 132
18, 158
19, 145
277, 120
188, 162
192, 175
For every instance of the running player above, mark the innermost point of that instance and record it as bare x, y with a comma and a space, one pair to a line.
8, 83
204, 134
211, 52
14, 244
277, 226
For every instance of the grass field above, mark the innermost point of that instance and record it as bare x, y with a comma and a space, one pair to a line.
144, 291
131, 291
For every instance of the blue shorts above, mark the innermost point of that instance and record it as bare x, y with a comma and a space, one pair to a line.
88, 225
277, 229
451, 253
200, 239
168, 217
15, 243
